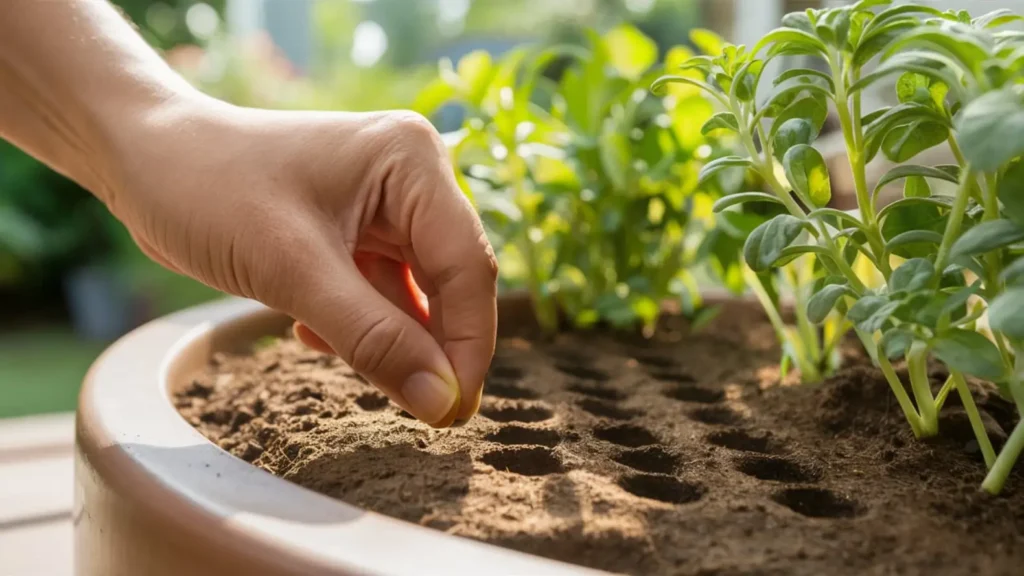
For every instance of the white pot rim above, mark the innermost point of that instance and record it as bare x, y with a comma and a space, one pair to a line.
130, 435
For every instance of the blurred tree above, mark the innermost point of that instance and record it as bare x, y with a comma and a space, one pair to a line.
165, 23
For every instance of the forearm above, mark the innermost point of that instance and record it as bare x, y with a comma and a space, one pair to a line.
74, 79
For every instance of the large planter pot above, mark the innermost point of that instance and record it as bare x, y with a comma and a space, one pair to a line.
154, 497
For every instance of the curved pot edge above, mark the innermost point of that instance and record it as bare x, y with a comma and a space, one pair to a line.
154, 496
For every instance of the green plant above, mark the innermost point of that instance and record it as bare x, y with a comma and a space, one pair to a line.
946, 264
586, 182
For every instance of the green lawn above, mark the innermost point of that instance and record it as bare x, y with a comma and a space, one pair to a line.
41, 370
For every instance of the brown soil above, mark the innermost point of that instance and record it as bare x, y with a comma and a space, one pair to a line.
682, 455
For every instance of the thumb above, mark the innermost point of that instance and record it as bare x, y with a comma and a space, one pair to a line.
346, 315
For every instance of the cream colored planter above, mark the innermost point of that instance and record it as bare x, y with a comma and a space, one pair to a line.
153, 497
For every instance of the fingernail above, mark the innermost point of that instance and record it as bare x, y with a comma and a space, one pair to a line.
430, 398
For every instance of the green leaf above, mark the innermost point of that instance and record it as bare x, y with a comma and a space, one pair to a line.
913, 237
707, 41
1011, 192
822, 303
865, 5
663, 81
721, 121
765, 244
1013, 273
871, 312
790, 253
912, 214
865, 307
903, 204
912, 170
717, 165
744, 86
630, 52
905, 142
835, 218
874, 40
933, 65
986, 237
914, 274
1006, 313
969, 352
475, 71
432, 97
812, 108
954, 38
991, 130
916, 187
741, 198
791, 133
808, 174
896, 342
791, 37
997, 18
805, 73
798, 20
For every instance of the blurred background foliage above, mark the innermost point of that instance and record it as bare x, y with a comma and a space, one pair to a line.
71, 280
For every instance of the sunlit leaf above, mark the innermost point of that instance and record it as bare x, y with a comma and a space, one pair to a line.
630, 52
808, 174
721, 121
707, 41
742, 198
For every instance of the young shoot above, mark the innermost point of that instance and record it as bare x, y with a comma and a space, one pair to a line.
586, 182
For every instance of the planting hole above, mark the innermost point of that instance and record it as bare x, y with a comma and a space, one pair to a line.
698, 394
517, 413
510, 391
524, 461
743, 441
505, 372
677, 375
818, 503
595, 392
582, 372
661, 488
372, 402
776, 469
626, 435
572, 357
603, 409
513, 435
650, 459
716, 415
652, 360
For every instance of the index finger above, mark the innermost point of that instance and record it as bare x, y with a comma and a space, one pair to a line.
457, 269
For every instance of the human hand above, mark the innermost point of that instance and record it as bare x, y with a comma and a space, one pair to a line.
327, 217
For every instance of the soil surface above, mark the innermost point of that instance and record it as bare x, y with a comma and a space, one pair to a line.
679, 455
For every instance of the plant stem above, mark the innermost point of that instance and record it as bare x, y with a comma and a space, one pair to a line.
913, 418
917, 365
956, 217
975, 417
947, 386
996, 478
853, 135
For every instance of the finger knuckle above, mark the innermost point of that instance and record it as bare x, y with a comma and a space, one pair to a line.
374, 345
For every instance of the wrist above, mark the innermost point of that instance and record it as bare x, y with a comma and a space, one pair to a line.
138, 131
